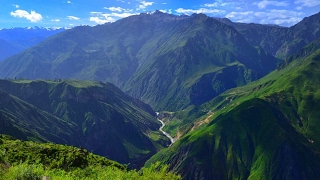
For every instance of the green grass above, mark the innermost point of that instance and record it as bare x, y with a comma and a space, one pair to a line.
172, 127
25, 171
26, 160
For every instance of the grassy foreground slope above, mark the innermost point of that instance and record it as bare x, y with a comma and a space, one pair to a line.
265, 130
30, 160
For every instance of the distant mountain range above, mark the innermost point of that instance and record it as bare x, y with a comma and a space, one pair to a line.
15, 40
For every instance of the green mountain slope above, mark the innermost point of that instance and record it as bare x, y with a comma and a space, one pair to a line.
24, 121
207, 50
102, 118
159, 58
267, 129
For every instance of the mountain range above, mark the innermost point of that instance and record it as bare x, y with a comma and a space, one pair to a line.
240, 99
164, 59
15, 40
159, 58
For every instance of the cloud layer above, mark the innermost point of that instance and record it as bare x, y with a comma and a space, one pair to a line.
263, 4
32, 16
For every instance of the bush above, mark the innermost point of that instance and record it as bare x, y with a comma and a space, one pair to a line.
27, 174
1, 158
24, 172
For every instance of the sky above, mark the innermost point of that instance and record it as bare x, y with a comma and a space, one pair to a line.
70, 13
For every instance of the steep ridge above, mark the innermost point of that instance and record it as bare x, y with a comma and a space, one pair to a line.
300, 35
264, 130
206, 50
158, 58
280, 41
24, 121
103, 119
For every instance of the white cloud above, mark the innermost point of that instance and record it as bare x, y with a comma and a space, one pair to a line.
119, 9
212, 5
275, 14
32, 16
73, 18
144, 4
99, 20
16, 6
308, 3
92, 13
119, 15
55, 20
198, 11
69, 2
239, 15
263, 4
225, 4
279, 17
168, 11
291, 20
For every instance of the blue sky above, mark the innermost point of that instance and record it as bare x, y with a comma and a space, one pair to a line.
66, 13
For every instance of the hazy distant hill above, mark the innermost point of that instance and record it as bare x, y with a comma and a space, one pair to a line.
15, 40
8, 49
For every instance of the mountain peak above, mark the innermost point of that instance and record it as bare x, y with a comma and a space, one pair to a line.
199, 16
158, 12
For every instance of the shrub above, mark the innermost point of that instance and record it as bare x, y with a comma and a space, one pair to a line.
24, 172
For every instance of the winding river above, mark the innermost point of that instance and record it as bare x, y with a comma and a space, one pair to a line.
165, 133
